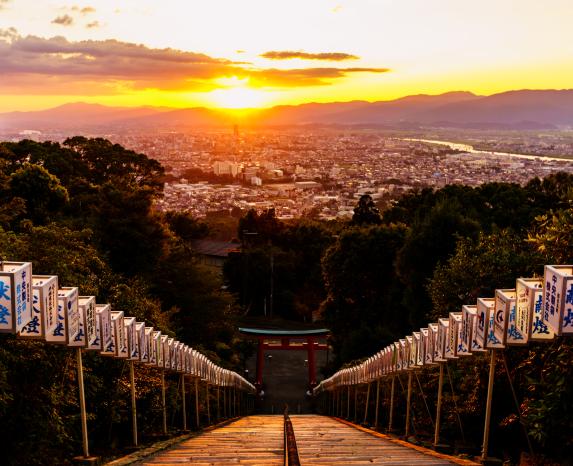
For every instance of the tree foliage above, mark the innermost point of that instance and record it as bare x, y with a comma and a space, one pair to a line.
83, 210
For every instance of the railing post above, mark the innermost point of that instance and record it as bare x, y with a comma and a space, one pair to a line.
85, 442
439, 406
163, 404
485, 445
133, 403
377, 404
391, 413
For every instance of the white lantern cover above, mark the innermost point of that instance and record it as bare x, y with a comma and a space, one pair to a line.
15, 296
103, 312
558, 298
529, 301
44, 304
87, 307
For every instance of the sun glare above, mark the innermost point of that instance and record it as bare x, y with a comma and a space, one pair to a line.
237, 94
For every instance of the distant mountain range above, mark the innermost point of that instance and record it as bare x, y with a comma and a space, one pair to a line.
524, 109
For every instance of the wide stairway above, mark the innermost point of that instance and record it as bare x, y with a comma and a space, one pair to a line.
251, 440
258, 440
326, 441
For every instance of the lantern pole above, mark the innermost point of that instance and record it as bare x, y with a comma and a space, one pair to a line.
377, 404
439, 406
367, 403
197, 401
485, 444
391, 414
85, 441
133, 404
208, 406
163, 404
184, 404
218, 402
408, 400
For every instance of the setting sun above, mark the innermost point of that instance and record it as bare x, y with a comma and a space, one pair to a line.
237, 94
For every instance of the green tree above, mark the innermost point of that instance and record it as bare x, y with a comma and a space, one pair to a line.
366, 212
42, 192
362, 307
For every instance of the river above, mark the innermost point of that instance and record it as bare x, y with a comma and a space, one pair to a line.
471, 150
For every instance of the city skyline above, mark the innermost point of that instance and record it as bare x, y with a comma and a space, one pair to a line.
255, 54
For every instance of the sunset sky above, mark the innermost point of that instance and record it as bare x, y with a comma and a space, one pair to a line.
250, 53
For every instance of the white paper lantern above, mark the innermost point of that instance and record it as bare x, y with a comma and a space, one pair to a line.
15, 296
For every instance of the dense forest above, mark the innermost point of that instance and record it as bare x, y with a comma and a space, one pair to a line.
84, 210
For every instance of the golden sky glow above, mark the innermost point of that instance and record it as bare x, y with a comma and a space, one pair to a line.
253, 53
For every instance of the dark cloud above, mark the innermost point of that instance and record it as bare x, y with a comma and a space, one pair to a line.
32, 64
328, 56
304, 76
93, 25
63, 20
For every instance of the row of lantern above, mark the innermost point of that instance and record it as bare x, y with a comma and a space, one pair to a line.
35, 307
535, 310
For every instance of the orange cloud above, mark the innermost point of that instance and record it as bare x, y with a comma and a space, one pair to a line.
328, 56
304, 76
37, 65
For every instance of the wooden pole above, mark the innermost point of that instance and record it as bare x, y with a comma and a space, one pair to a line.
485, 445
225, 402
85, 442
183, 405
133, 404
377, 404
163, 404
408, 400
367, 403
218, 402
197, 402
391, 414
208, 404
439, 406
356, 403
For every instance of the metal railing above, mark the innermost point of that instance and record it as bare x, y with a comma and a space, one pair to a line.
290, 449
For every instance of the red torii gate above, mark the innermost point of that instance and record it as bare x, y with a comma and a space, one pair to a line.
289, 340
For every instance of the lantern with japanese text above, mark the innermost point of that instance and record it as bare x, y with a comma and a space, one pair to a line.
529, 301
103, 312
44, 306
87, 307
558, 298
15, 296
